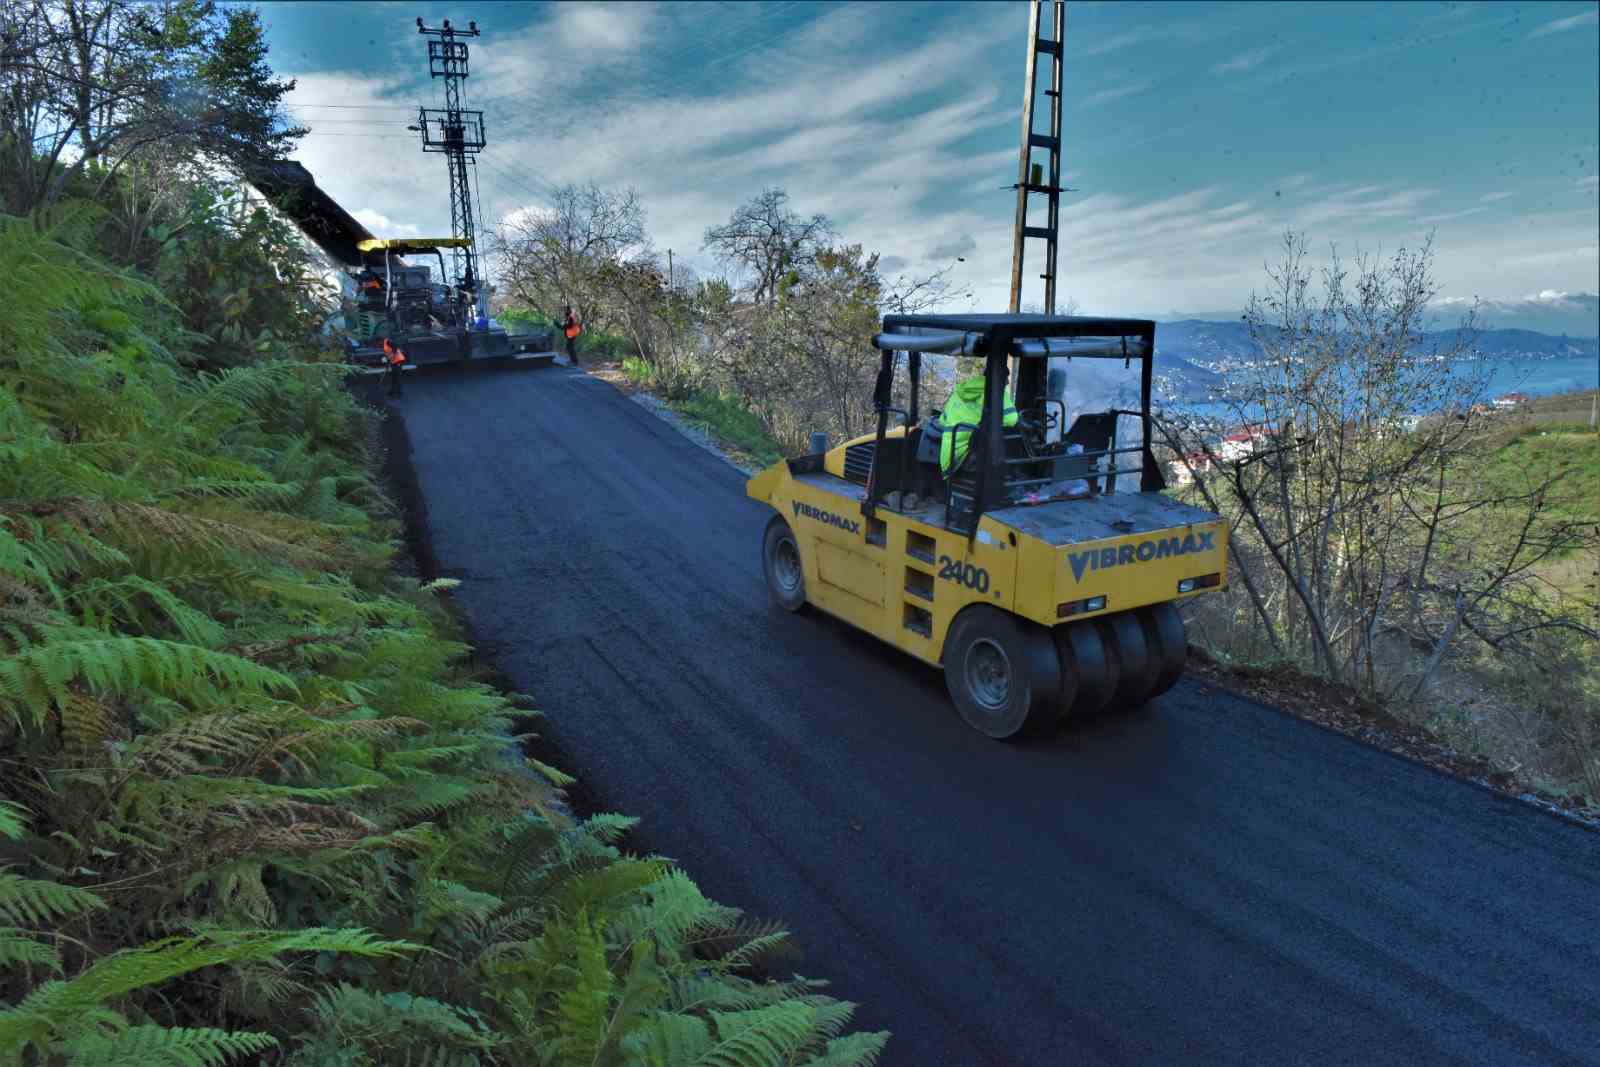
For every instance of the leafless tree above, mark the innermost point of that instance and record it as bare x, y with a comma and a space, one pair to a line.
1357, 475
767, 240
561, 254
90, 86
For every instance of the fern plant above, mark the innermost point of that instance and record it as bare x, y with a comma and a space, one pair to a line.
259, 806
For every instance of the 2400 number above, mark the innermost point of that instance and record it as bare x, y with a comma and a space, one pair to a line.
955, 571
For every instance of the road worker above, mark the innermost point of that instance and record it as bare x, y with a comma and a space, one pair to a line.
571, 327
394, 359
965, 407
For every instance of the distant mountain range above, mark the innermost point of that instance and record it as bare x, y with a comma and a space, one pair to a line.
1211, 343
1192, 352
1550, 312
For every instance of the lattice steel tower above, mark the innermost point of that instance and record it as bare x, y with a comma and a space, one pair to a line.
459, 135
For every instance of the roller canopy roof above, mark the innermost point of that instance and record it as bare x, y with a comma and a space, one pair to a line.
1032, 325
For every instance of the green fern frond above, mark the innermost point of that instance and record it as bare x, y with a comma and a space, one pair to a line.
161, 1046
51, 1008
29, 900
853, 1050
606, 827
37, 678
13, 820
761, 1037
707, 989
582, 1008
258, 492
392, 1027
558, 778
124, 603
433, 796
753, 948
673, 910
594, 891
19, 946
669, 1040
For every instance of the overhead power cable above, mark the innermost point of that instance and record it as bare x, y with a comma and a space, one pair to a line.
356, 107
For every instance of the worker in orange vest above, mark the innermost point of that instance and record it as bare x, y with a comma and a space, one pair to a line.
571, 327
394, 360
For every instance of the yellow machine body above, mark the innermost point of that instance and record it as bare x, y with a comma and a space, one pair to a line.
905, 577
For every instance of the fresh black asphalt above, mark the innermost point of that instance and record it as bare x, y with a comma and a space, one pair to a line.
1206, 880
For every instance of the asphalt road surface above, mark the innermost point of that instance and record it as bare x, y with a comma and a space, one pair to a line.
1206, 880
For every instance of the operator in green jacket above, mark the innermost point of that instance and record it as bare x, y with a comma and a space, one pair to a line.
965, 406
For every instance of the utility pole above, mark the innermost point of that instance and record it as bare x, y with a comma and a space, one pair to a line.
1031, 375
1032, 177
459, 135
669, 270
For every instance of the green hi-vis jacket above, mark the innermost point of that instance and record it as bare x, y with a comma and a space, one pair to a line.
966, 405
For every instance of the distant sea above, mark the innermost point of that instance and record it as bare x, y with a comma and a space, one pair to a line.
1543, 377
1535, 377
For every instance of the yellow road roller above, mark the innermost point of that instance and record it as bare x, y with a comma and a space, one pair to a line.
1019, 540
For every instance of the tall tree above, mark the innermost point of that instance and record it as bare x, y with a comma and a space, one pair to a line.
565, 254
90, 86
768, 240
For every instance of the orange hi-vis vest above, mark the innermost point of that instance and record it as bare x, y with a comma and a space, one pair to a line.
396, 357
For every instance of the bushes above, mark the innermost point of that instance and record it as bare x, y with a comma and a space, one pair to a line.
252, 805
1388, 536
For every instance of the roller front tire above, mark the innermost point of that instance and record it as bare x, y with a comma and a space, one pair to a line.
780, 562
1002, 674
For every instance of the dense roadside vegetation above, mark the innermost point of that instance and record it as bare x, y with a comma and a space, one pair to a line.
1396, 533
764, 357
254, 807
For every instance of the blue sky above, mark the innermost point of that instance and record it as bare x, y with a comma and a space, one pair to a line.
1196, 133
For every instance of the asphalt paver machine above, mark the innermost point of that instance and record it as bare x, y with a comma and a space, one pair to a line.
1036, 561
392, 288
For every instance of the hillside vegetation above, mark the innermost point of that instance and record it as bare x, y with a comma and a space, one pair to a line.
254, 808
251, 800
1394, 533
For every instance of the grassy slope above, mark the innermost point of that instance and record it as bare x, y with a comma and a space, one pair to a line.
738, 430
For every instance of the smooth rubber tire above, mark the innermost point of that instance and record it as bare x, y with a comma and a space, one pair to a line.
1002, 673
1088, 675
780, 562
1125, 643
1168, 643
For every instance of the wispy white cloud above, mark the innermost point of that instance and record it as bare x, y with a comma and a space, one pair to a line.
1490, 198
1105, 96
1571, 22
1245, 60
1117, 41
1451, 215
594, 27
1363, 204
383, 225
1557, 256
